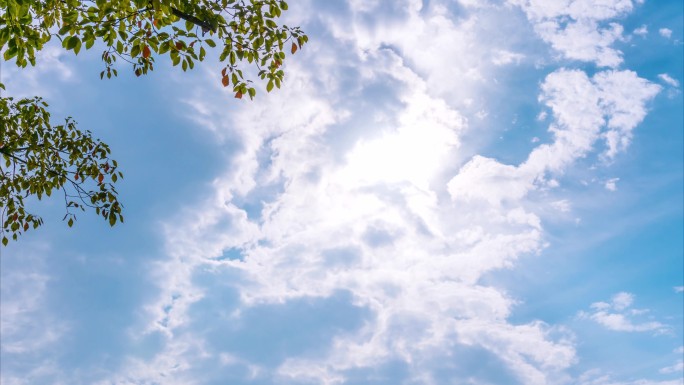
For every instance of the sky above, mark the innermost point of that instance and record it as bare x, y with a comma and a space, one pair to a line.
443, 192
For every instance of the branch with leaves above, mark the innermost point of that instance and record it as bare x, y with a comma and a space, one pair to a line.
38, 158
138, 30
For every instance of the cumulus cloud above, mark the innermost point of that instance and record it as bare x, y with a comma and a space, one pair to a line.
641, 31
584, 109
665, 32
618, 314
611, 184
624, 100
579, 29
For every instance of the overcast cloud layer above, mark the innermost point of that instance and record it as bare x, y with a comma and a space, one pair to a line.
355, 223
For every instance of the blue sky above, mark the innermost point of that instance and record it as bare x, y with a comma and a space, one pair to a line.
443, 192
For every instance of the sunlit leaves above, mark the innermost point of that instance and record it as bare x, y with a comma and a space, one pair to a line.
38, 158
136, 31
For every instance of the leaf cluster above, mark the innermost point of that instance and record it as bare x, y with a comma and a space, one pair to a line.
137, 31
38, 158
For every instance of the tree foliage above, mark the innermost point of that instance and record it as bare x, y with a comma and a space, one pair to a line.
137, 30
38, 157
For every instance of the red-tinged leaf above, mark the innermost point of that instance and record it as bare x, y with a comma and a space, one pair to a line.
100, 178
179, 45
192, 44
225, 81
156, 23
139, 24
75, 176
26, 226
146, 52
238, 95
223, 72
294, 48
15, 217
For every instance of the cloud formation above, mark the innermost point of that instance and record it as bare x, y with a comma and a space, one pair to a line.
327, 196
665, 32
669, 80
579, 29
618, 314
30, 332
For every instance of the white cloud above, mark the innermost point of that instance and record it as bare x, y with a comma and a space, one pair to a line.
678, 367
669, 80
665, 32
622, 300
641, 31
624, 99
580, 106
417, 259
617, 315
679, 289
503, 57
578, 29
51, 63
611, 184
597, 377
562, 205
30, 332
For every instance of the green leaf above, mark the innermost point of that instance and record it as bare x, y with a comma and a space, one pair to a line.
10, 53
71, 42
135, 50
77, 48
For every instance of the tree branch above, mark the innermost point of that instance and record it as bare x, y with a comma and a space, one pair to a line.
192, 19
